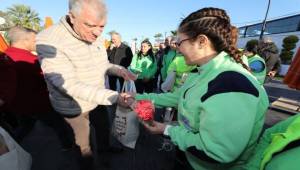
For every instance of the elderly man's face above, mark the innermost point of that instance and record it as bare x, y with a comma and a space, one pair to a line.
87, 24
115, 39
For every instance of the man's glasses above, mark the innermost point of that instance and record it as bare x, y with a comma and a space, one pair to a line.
180, 42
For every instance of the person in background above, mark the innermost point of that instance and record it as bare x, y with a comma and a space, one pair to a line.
167, 44
168, 58
181, 69
221, 93
120, 54
144, 64
160, 51
235, 36
74, 61
29, 74
27, 82
256, 63
270, 53
159, 56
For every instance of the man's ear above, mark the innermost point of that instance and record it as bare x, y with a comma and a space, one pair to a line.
72, 17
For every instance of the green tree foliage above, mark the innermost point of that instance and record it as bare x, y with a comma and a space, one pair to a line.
174, 33
158, 35
289, 43
22, 15
7, 23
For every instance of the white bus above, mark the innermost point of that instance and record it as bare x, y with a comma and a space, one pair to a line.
277, 29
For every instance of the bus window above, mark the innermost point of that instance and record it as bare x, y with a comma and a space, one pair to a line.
242, 32
289, 24
253, 30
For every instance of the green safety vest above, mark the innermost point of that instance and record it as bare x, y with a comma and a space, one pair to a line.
259, 74
181, 68
280, 141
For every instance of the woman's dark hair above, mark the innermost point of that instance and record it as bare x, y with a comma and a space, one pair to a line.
215, 24
150, 51
252, 46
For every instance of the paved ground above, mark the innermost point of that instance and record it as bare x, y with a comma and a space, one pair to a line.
276, 89
150, 154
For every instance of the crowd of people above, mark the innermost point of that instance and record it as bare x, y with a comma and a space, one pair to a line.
214, 88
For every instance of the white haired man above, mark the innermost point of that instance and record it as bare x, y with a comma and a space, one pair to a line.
120, 54
74, 62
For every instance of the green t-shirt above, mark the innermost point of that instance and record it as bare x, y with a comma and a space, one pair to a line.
181, 69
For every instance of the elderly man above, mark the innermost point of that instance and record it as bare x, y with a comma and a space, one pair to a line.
74, 61
120, 54
270, 53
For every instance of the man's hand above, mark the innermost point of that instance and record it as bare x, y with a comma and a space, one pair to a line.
127, 75
3, 147
155, 127
126, 99
1, 102
272, 74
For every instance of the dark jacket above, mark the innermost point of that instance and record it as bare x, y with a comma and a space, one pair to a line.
270, 53
8, 80
120, 56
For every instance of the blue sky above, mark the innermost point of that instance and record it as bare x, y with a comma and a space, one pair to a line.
144, 18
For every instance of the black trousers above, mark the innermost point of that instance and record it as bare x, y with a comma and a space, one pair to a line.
113, 82
142, 86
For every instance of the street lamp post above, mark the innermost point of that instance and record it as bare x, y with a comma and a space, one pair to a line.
264, 22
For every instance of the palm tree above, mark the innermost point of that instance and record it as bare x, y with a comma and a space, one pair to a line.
174, 33
22, 15
7, 24
158, 36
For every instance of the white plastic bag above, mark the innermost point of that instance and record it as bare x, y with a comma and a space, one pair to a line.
168, 84
17, 158
126, 125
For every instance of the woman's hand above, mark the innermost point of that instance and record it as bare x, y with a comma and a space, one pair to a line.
155, 127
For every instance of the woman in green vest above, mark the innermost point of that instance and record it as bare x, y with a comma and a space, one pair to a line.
144, 65
256, 63
279, 147
221, 106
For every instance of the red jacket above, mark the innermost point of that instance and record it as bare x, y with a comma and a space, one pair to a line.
31, 90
